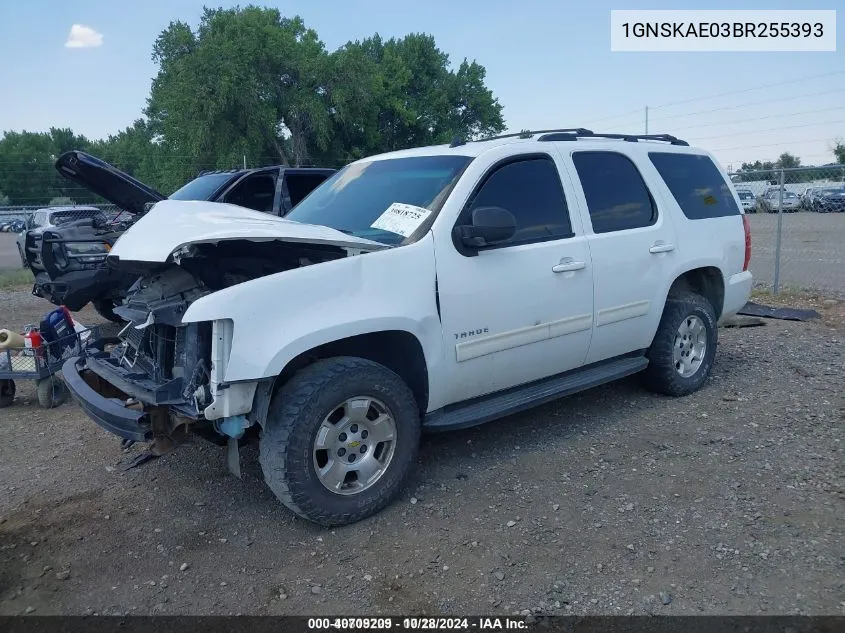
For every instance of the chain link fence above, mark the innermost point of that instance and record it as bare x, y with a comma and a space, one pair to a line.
797, 219
14, 219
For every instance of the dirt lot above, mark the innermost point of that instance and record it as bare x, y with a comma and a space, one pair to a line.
9, 258
613, 501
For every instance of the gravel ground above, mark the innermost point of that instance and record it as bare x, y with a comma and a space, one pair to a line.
729, 501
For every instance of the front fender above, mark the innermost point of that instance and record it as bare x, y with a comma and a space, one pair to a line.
278, 317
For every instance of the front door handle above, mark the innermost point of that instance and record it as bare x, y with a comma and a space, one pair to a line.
568, 265
662, 248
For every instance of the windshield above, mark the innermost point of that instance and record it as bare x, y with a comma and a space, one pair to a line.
745, 195
202, 188
832, 191
59, 218
355, 197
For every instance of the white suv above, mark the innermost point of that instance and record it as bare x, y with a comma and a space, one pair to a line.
427, 289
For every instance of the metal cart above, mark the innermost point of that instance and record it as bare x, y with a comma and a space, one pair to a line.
41, 364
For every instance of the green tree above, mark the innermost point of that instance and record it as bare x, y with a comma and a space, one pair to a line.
839, 152
4, 199
136, 151
401, 93
252, 82
61, 201
27, 171
788, 161
248, 82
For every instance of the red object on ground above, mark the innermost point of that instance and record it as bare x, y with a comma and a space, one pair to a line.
32, 340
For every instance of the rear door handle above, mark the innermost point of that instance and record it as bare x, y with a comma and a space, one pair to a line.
662, 248
568, 265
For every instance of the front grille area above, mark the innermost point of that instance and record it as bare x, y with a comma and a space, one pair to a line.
150, 350
158, 364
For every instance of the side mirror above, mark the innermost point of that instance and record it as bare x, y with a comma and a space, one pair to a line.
490, 225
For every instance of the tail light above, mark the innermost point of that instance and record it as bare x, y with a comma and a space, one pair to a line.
747, 228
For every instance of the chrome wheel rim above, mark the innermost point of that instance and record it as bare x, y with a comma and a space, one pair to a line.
690, 346
354, 445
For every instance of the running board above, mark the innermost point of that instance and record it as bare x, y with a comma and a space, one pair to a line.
501, 404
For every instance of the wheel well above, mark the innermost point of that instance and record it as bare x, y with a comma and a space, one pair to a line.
707, 282
399, 351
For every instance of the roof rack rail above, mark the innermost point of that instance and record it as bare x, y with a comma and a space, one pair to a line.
632, 138
529, 133
573, 134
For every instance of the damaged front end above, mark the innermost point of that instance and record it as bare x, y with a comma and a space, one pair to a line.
69, 262
161, 377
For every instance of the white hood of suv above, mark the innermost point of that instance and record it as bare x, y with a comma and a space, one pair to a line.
171, 224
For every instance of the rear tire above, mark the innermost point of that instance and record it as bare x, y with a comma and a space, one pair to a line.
7, 392
312, 410
681, 355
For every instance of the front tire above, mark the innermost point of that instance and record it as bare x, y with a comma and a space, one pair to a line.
681, 355
341, 440
105, 308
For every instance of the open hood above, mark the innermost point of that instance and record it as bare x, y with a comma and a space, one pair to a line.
107, 181
172, 224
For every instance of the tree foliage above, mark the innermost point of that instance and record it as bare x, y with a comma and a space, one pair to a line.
61, 201
250, 82
770, 171
839, 152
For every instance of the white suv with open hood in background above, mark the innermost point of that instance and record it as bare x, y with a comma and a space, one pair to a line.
426, 289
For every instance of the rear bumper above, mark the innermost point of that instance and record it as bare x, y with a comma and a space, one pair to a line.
737, 292
109, 413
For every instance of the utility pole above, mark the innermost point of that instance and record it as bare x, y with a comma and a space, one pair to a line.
244, 161
646, 119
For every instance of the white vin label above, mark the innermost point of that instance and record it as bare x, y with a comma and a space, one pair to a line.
402, 219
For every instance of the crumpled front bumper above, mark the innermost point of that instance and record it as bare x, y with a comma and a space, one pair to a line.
109, 413
76, 288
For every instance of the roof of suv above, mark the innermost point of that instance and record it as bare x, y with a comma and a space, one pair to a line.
584, 139
242, 171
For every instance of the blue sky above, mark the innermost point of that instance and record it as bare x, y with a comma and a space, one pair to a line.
548, 62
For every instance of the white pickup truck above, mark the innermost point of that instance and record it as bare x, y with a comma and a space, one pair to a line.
427, 289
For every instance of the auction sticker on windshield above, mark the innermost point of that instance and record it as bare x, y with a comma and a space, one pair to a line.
402, 219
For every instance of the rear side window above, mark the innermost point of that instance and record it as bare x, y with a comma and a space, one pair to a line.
530, 189
254, 192
617, 196
300, 185
696, 184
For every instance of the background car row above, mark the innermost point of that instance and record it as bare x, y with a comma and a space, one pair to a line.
819, 199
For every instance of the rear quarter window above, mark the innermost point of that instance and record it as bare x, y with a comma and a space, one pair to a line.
697, 185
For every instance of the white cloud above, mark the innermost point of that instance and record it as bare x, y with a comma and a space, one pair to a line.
81, 36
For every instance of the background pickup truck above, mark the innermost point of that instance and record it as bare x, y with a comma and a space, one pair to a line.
69, 265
